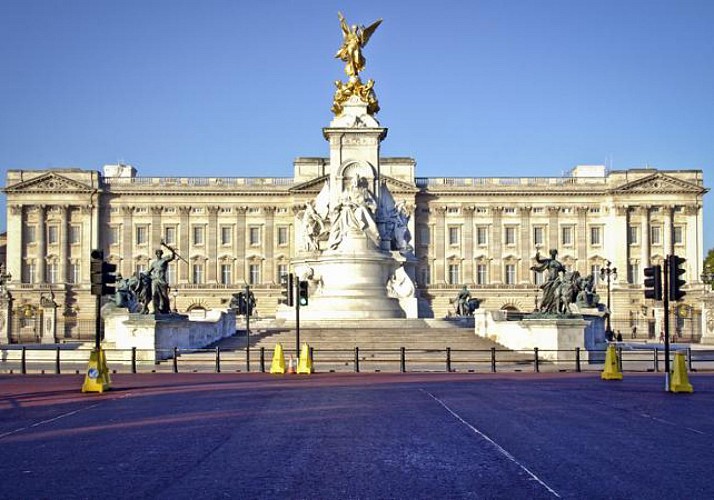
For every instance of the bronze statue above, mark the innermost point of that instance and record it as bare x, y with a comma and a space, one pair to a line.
159, 282
551, 301
354, 39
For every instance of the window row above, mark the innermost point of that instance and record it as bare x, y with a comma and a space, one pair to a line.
52, 234
656, 234
510, 235
226, 235
52, 273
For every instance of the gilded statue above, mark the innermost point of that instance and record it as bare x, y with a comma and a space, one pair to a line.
354, 39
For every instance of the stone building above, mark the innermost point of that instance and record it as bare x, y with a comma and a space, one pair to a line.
481, 232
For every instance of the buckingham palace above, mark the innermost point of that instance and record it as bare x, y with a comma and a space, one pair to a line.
481, 232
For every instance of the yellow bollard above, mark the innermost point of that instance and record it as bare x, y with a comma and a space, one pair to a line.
97, 377
680, 381
277, 367
612, 365
305, 363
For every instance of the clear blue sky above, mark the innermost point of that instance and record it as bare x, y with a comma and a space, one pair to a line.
468, 88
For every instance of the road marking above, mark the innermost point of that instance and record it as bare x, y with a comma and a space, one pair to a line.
496, 445
667, 422
53, 419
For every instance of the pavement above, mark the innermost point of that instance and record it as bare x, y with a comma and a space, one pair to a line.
346, 435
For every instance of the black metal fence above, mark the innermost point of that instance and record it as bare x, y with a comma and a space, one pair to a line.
59, 359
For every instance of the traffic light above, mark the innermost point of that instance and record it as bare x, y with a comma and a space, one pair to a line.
653, 282
675, 270
103, 277
287, 289
302, 293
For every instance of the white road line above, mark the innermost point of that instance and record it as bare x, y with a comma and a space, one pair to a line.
496, 445
49, 420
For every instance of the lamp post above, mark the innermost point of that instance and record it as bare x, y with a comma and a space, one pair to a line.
609, 273
174, 294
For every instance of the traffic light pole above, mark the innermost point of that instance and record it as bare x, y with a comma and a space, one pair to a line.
297, 317
665, 300
98, 323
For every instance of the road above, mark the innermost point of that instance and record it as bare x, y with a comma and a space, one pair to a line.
356, 436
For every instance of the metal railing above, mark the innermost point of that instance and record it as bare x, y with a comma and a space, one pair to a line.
65, 358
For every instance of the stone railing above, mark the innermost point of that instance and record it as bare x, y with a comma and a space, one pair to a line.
215, 182
427, 182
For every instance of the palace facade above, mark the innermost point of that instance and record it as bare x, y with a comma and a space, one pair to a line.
482, 232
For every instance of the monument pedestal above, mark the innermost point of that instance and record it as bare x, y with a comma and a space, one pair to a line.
5, 318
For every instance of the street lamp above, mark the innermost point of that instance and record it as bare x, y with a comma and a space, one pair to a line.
609, 273
174, 294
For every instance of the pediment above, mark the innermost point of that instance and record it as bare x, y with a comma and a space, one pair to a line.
659, 183
50, 183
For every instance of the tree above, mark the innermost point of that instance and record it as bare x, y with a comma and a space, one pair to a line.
709, 263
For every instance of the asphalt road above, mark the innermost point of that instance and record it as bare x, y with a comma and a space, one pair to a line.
356, 436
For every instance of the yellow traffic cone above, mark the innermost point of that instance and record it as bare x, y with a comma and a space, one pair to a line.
305, 363
680, 381
277, 367
612, 365
96, 378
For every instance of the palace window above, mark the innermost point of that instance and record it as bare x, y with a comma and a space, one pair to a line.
678, 235
481, 274
254, 274
198, 273
453, 236
114, 235
566, 235
282, 272
52, 235
510, 235
171, 273
538, 278
655, 235
52, 272
481, 235
31, 271
282, 236
170, 235
454, 275
198, 235
226, 274
538, 235
226, 235
254, 235
595, 271
74, 276
595, 235
74, 234
141, 235
633, 233
30, 234
510, 274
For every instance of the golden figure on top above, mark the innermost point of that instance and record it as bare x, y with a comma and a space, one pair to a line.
354, 40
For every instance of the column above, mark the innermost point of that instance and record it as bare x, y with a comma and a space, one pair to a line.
668, 216
496, 270
41, 244
63, 266
183, 272
155, 235
88, 225
468, 275
617, 248
440, 246
526, 245
269, 245
553, 229
645, 247
16, 222
212, 244
241, 244
581, 241
127, 229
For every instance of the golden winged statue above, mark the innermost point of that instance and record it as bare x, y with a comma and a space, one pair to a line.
354, 39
